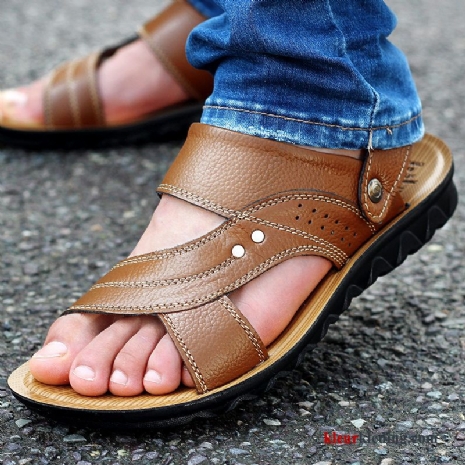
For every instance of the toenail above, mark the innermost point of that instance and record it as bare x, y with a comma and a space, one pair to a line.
52, 350
14, 97
152, 376
118, 377
84, 372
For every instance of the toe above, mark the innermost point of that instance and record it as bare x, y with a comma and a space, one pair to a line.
66, 338
130, 364
93, 365
163, 373
22, 106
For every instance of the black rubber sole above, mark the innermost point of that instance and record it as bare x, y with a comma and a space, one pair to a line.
406, 237
165, 125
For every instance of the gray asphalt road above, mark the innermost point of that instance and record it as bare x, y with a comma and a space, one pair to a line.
393, 364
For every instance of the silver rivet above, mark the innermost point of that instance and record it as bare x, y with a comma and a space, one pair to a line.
238, 251
375, 190
258, 236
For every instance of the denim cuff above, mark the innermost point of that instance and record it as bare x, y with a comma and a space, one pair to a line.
314, 133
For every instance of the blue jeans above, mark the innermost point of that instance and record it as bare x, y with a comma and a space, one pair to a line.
319, 73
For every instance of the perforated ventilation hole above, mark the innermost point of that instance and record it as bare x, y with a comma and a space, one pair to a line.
326, 216
337, 221
309, 221
322, 228
300, 205
314, 210
355, 234
342, 239
297, 217
346, 228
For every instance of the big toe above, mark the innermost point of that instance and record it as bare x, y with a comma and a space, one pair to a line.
22, 106
66, 338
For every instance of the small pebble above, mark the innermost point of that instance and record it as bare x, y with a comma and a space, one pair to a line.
196, 460
72, 438
404, 425
358, 423
235, 451
426, 386
381, 451
271, 422
306, 405
206, 445
22, 422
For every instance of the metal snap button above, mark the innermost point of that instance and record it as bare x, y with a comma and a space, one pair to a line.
258, 236
375, 190
238, 251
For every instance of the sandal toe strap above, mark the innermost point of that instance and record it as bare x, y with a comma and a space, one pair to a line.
216, 343
71, 97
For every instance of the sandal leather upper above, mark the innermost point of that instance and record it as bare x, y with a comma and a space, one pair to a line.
279, 201
72, 98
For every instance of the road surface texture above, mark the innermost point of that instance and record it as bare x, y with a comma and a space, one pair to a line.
394, 363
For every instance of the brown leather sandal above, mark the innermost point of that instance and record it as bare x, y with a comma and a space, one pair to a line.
73, 108
279, 201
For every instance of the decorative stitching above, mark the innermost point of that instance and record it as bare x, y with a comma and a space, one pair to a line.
316, 123
202, 201
71, 91
233, 213
320, 198
239, 282
172, 252
189, 356
164, 282
334, 249
91, 65
237, 215
365, 194
244, 326
48, 108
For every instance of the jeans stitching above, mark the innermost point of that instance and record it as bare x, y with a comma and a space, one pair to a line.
316, 123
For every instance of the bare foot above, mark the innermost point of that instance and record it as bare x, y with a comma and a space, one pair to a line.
127, 355
132, 83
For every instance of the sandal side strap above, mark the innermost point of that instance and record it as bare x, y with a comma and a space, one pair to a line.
71, 96
216, 343
166, 34
382, 176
